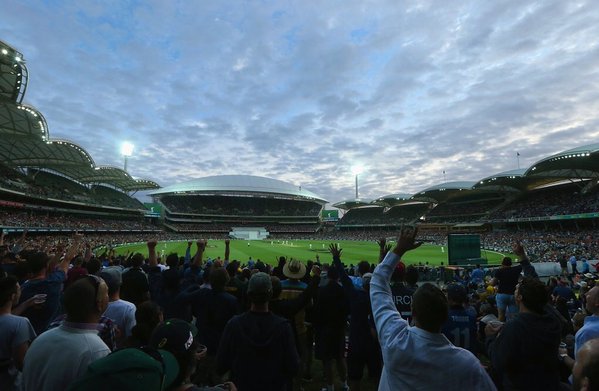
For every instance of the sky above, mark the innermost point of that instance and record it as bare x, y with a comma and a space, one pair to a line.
301, 91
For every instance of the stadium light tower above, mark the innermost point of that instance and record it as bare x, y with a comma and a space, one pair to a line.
357, 170
127, 151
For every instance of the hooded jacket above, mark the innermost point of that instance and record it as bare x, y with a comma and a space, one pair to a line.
525, 352
259, 350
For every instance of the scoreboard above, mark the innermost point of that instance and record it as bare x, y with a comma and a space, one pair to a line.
463, 249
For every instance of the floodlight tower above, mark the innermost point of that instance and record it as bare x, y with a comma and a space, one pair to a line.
127, 151
357, 170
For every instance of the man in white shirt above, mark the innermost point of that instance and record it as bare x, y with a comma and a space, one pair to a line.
122, 312
61, 355
419, 357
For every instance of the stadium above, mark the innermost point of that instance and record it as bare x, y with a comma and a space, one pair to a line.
52, 189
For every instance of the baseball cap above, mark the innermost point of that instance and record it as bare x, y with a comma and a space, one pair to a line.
174, 335
130, 369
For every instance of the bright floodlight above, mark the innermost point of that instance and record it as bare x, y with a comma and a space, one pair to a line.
357, 169
127, 149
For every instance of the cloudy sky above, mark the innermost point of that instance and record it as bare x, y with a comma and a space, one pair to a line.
301, 91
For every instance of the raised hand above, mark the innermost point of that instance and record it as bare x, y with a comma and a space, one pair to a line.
335, 250
406, 240
518, 249
382, 243
201, 244
152, 243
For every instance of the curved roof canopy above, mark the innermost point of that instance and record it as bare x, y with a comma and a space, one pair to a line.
355, 203
443, 191
393, 199
25, 140
580, 162
13, 74
238, 184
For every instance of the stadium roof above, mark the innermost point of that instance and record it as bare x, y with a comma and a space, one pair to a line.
443, 191
355, 203
239, 183
393, 199
13, 74
25, 140
580, 162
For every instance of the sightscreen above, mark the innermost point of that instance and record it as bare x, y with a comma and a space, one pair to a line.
461, 247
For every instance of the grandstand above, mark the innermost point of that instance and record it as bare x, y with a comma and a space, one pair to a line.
557, 192
222, 203
49, 184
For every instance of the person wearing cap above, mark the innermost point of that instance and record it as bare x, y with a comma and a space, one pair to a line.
590, 329
257, 347
59, 356
460, 327
120, 311
180, 339
132, 369
419, 357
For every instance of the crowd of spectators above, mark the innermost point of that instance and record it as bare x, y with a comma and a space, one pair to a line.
553, 201
239, 206
47, 185
31, 219
193, 323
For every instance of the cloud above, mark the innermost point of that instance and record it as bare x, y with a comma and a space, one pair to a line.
300, 91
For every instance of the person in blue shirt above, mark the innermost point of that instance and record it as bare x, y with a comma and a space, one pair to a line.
477, 276
460, 327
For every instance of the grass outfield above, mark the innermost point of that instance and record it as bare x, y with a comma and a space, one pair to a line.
353, 251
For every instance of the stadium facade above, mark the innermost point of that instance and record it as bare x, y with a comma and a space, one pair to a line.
221, 203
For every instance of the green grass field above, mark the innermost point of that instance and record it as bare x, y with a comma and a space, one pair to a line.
353, 251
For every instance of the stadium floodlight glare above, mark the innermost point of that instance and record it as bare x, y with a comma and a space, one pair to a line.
4, 51
127, 151
357, 170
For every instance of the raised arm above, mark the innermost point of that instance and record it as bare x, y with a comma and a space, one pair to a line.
152, 258
197, 261
387, 319
384, 248
188, 253
527, 268
71, 253
336, 253
227, 249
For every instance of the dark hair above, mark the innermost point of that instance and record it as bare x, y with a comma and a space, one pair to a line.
411, 275
80, 300
534, 294
137, 260
218, 278
333, 273
363, 267
430, 307
232, 268
506, 261
8, 287
93, 266
172, 260
147, 317
37, 262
